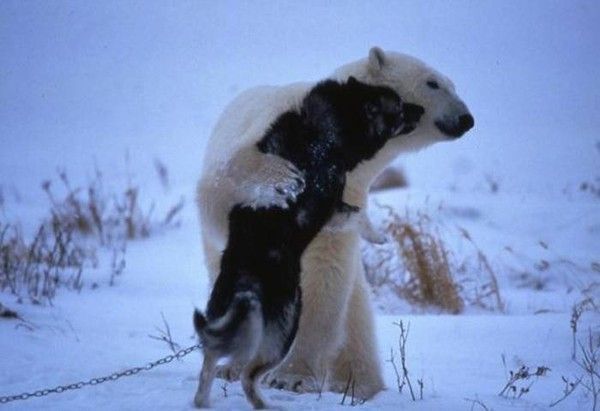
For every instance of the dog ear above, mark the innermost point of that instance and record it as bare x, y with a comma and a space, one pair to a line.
377, 59
413, 112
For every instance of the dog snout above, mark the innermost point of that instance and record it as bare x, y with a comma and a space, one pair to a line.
413, 112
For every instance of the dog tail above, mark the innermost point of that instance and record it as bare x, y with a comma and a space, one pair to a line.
238, 331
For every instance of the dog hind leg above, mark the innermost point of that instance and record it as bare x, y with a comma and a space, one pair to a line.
250, 379
207, 375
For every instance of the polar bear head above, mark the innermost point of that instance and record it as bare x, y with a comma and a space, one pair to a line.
446, 115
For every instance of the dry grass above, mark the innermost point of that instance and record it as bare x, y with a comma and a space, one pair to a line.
591, 187
477, 402
350, 391
403, 379
519, 382
36, 268
419, 267
590, 364
164, 335
81, 220
89, 210
569, 388
480, 290
580, 308
426, 276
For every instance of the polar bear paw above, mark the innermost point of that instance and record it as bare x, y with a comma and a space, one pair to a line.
273, 181
369, 233
294, 382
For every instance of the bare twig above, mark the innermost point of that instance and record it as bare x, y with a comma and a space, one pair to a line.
163, 173
165, 335
173, 212
402, 338
319, 383
570, 386
477, 402
590, 364
399, 380
117, 264
576, 313
522, 374
224, 389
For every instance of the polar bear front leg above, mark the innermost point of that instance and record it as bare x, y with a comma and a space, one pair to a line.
263, 180
356, 219
358, 358
326, 286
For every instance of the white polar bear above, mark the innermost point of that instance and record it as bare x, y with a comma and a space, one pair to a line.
336, 335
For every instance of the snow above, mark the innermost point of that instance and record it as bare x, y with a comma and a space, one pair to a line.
84, 83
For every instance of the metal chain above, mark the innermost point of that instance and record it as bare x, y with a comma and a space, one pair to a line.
95, 381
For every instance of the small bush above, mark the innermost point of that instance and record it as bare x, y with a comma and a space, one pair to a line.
418, 266
81, 221
109, 217
36, 268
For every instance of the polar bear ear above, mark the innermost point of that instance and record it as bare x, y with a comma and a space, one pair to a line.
377, 59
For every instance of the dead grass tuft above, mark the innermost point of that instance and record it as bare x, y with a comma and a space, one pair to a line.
89, 210
428, 276
36, 268
418, 266
81, 220
580, 308
480, 290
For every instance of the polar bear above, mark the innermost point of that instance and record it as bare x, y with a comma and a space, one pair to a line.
336, 336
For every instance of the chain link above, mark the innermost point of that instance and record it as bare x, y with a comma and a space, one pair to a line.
99, 380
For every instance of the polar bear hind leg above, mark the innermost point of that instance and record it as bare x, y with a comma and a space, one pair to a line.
358, 359
321, 329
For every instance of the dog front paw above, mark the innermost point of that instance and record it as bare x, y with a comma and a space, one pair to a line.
274, 182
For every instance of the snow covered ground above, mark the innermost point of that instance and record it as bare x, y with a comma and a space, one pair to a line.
82, 83
100, 331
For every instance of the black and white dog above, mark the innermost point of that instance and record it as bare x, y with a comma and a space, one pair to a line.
254, 308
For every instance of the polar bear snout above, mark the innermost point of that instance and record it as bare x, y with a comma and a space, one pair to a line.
465, 123
456, 126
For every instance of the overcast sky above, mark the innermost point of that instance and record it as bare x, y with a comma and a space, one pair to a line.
87, 80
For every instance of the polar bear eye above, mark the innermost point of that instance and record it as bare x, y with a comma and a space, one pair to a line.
433, 84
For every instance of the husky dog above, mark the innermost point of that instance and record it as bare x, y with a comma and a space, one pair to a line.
254, 308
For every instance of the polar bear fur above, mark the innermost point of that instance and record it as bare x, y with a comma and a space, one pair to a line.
336, 336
